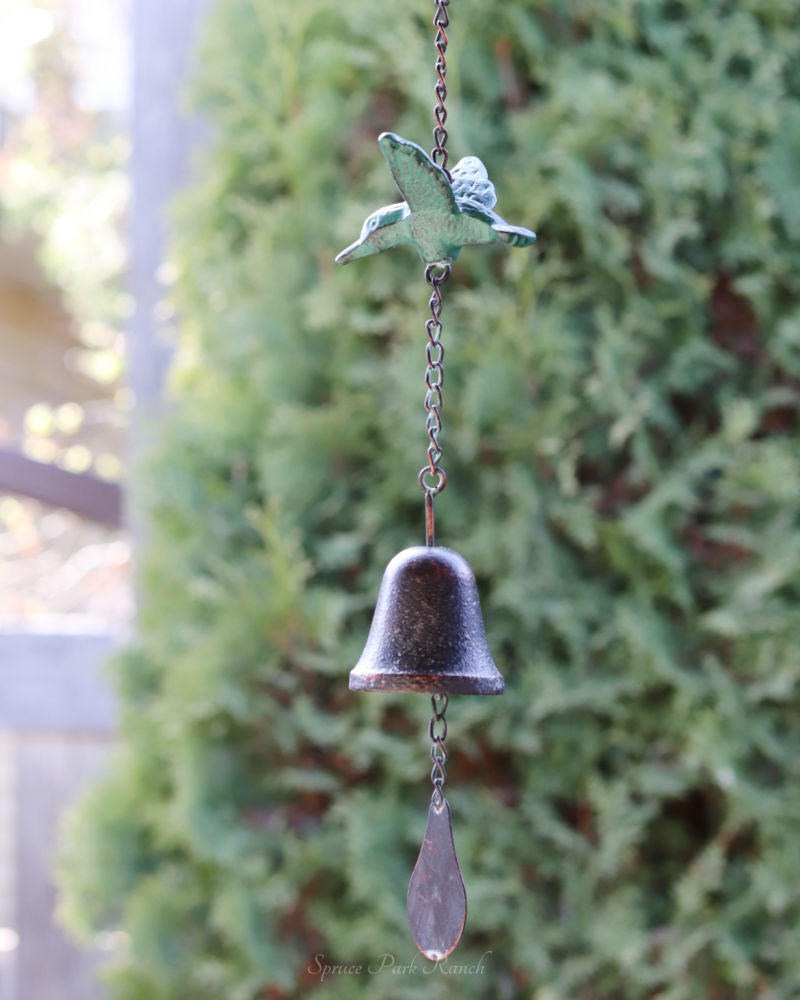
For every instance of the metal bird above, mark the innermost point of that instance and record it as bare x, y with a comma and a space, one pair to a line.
437, 217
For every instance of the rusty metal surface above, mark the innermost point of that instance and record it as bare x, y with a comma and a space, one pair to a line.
437, 899
441, 22
427, 632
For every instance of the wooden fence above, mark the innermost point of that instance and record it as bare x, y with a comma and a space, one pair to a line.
57, 720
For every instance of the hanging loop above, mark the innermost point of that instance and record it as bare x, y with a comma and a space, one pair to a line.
439, 480
439, 272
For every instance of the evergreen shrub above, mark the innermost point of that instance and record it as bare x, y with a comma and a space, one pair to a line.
621, 442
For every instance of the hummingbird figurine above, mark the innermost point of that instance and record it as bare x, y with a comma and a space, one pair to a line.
438, 216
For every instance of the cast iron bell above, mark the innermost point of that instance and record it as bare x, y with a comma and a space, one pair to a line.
427, 633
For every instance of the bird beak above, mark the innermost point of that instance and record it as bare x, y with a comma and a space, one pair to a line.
356, 250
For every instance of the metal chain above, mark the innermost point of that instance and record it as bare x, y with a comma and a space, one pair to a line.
438, 749
432, 478
441, 20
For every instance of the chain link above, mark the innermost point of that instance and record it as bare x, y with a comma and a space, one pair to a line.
436, 275
432, 478
441, 21
438, 749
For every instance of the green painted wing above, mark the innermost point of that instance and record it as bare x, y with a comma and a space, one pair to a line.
422, 183
515, 236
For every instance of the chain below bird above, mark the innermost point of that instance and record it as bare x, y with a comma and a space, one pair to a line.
438, 216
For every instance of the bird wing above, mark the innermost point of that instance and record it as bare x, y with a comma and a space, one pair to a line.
471, 184
475, 207
515, 236
422, 183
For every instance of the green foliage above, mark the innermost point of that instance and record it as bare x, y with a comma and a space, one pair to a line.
621, 442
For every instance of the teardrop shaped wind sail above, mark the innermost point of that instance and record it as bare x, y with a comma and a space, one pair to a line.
437, 899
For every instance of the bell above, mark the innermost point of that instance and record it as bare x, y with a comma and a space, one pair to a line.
427, 633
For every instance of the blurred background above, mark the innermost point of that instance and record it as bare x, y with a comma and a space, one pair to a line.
65, 93
68, 272
622, 446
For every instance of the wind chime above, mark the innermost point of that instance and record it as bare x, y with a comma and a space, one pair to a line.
427, 634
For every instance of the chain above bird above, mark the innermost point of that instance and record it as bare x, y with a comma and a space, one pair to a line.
438, 216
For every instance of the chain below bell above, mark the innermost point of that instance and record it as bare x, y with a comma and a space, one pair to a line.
427, 633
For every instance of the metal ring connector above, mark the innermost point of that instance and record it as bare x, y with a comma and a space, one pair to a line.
438, 272
432, 488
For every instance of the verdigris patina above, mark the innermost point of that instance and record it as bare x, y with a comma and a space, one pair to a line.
438, 216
